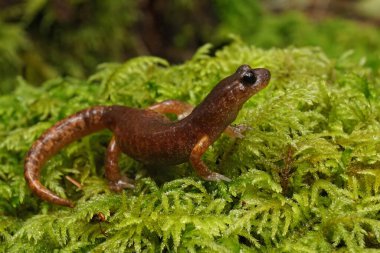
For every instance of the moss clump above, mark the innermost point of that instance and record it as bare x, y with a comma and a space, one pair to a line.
306, 176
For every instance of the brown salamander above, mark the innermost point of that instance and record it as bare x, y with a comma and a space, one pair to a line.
147, 135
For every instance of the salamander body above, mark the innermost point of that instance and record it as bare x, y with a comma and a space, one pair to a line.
147, 135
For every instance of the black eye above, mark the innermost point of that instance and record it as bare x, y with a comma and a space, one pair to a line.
248, 78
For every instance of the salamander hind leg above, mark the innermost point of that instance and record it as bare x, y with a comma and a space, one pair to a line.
116, 181
199, 166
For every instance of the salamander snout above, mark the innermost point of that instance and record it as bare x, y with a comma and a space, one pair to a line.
262, 76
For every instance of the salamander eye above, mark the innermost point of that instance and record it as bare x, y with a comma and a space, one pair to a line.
248, 78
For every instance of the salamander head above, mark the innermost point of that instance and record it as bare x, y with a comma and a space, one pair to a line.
248, 81
221, 106
233, 91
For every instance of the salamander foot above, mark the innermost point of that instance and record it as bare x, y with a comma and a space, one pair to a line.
213, 176
122, 183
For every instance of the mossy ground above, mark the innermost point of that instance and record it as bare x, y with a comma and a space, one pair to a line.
306, 177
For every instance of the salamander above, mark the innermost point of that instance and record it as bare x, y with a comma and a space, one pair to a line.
147, 135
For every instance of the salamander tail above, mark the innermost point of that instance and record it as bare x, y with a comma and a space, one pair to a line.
55, 138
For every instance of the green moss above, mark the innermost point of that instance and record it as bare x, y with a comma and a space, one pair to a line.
336, 36
305, 177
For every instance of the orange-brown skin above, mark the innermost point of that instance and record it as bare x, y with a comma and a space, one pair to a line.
147, 135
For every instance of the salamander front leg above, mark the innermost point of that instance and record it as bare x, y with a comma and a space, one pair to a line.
199, 166
179, 108
116, 181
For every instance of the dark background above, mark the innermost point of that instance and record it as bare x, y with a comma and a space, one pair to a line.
41, 39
